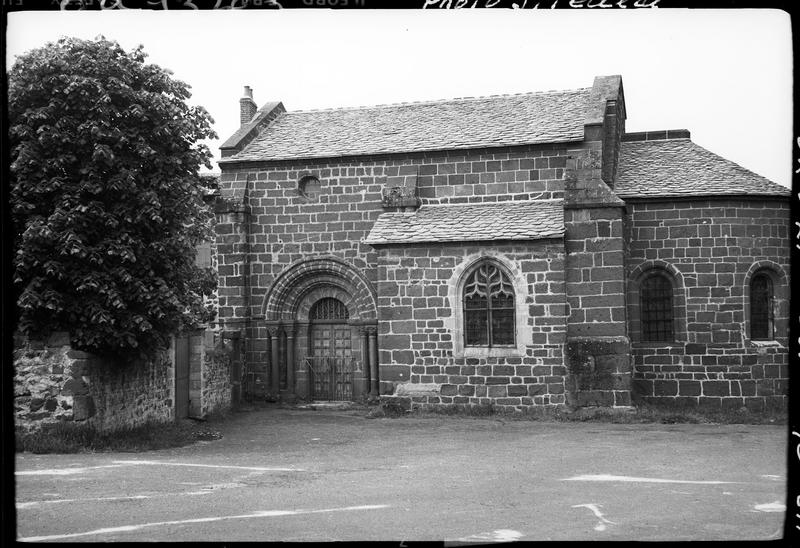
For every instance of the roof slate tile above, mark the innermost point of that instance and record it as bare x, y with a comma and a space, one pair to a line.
518, 220
679, 167
528, 118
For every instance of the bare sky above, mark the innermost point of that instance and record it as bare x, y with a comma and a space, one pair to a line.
726, 75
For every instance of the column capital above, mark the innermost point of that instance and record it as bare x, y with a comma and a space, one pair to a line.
273, 327
366, 326
289, 329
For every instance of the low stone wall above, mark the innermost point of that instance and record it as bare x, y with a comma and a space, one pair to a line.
131, 395
55, 383
715, 378
216, 387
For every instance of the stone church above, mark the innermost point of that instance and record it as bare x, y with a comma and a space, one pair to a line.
517, 251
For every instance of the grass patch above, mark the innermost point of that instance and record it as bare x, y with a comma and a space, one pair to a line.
390, 410
741, 415
644, 414
68, 437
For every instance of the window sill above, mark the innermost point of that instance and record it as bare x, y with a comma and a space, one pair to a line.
765, 343
670, 347
490, 352
641, 344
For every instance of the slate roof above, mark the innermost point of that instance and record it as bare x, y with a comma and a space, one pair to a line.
517, 220
498, 120
679, 167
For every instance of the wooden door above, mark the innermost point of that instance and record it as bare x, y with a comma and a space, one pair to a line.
331, 360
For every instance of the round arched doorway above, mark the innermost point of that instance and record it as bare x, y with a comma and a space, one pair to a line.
321, 319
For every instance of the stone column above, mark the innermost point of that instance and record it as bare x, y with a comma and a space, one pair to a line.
373, 361
290, 365
365, 358
301, 375
274, 331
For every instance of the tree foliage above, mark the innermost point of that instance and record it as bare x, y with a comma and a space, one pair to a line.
106, 197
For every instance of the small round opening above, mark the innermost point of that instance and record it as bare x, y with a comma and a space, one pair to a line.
309, 187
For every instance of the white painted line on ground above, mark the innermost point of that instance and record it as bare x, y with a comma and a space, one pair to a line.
230, 467
629, 479
595, 508
771, 477
63, 471
32, 503
500, 535
261, 514
776, 506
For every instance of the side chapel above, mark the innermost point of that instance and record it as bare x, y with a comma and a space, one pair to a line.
515, 250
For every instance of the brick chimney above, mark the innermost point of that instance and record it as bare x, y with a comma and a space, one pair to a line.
247, 107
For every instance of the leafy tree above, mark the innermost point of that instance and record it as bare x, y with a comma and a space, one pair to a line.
106, 197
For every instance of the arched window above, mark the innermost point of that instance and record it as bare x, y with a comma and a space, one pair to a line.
656, 315
488, 307
761, 310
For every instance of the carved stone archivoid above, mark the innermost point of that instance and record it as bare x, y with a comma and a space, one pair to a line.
400, 191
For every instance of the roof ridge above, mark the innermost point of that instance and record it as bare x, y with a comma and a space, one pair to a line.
439, 101
657, 135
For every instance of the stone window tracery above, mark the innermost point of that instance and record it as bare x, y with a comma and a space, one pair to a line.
489, 309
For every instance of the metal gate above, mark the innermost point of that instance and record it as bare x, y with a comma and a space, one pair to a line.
331, 378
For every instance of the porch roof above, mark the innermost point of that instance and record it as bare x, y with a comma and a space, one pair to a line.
508, 220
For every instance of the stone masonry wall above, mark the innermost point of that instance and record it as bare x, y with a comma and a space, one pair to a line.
710, 247
419, 357
283, 226
597, 353
596, 273
216, 384
54, 383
